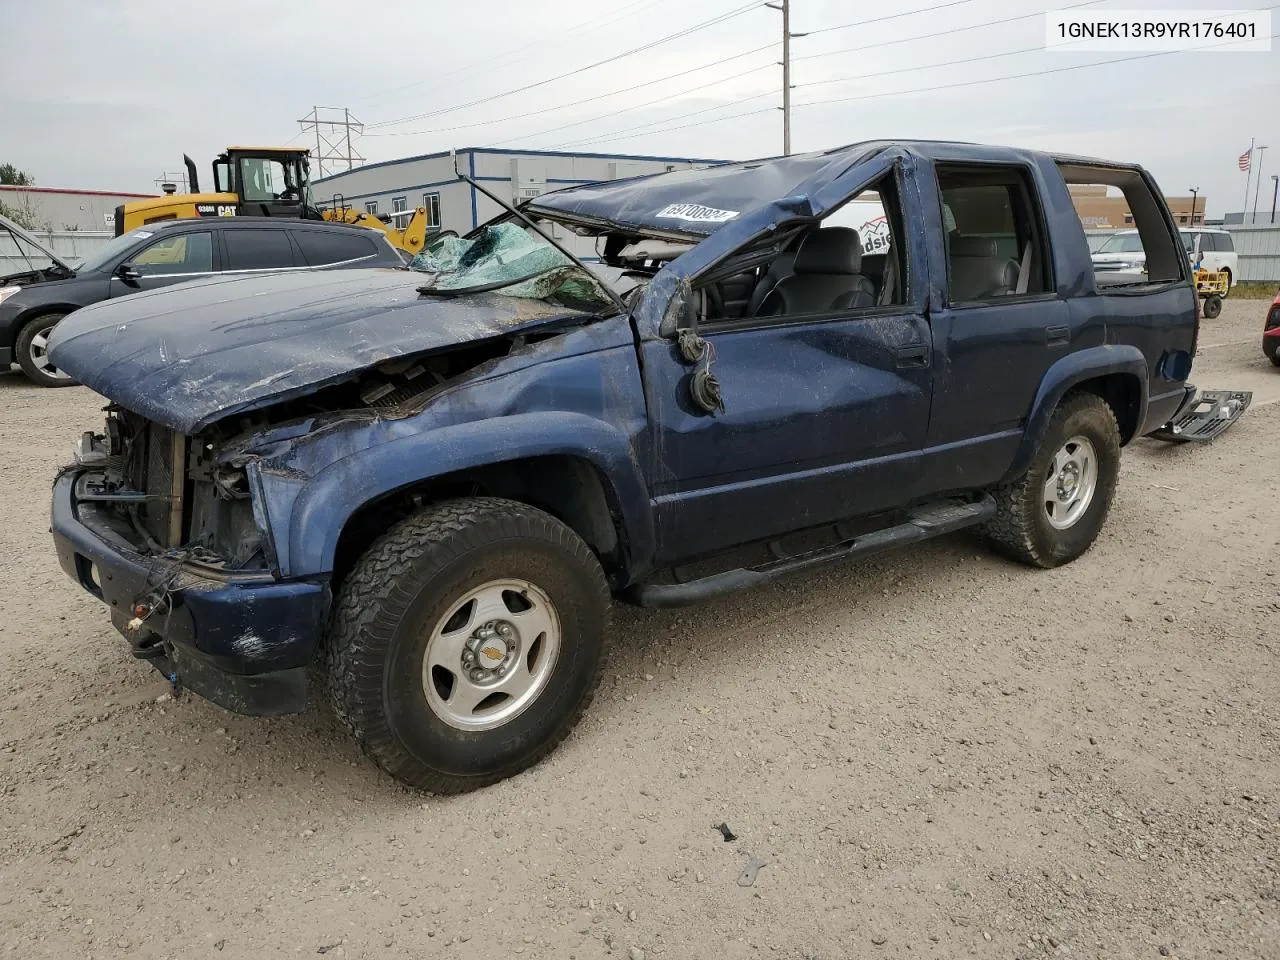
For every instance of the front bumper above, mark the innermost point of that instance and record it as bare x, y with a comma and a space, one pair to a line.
240, 640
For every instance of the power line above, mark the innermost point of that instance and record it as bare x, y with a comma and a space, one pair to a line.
729, 15
766, 46
925, 66
901, 93
638, 106
606, 20
942, 33
1023, 76
685, 126
600, 96
891, 16
643, 128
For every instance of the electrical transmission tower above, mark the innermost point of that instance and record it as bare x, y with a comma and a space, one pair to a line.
335, 129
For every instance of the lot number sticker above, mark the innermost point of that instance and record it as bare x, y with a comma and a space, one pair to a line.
695, 213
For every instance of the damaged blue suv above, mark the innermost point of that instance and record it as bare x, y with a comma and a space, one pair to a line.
431, 482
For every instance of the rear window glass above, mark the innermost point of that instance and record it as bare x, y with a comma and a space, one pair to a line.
322, 247
1224, 243
258, 249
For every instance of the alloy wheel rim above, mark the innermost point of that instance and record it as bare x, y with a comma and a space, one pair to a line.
40, 355
491, 655
1070, 483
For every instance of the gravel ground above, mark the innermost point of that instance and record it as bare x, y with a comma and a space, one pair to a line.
937, 753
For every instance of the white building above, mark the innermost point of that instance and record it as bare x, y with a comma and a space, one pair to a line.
63, 209
395, 186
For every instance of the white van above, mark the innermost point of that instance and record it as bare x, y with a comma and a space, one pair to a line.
1123, 253
1217, 251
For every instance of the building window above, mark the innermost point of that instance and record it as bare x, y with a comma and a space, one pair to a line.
398, 204
1128, 218
371, 207
431, 203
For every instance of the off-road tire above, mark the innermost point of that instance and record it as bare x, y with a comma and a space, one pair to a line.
22, 351
1212, 306
406, 581
1020, 529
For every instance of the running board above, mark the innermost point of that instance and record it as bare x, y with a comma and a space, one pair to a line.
922, 523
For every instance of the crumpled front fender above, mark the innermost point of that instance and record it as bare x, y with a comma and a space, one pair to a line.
322, 505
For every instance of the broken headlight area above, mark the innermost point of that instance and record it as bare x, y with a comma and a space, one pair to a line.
166, 494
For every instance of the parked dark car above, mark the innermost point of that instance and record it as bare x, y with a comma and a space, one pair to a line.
435, 481
159, 255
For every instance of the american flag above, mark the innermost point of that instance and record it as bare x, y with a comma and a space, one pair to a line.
1245, 158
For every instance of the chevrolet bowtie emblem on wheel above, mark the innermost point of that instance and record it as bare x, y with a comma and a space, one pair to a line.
493, 653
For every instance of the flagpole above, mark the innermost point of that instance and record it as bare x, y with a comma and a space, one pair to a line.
1248, 175
1257, 185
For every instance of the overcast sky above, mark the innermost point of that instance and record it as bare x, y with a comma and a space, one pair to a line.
108, 94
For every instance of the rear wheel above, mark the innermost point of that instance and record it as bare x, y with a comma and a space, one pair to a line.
467, 642
32, 352
1053, 512
1212, 306
1227, 291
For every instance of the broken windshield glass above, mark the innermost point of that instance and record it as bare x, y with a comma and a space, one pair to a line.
510, 260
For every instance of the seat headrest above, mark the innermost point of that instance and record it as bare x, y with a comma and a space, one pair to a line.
962, 246
830, 250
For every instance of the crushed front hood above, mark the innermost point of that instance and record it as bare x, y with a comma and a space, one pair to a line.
189, 355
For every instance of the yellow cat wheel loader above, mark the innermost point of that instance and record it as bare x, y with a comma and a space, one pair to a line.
262, 182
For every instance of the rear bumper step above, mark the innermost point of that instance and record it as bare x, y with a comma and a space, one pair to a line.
1209, 415
922, 523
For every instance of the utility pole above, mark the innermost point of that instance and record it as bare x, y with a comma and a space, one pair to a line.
1257, 186
1275, 189
1194, 191
787, 36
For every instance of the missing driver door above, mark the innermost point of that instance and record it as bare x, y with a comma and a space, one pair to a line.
826, 394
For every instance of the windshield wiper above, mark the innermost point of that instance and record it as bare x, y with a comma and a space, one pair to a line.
426, 288
546, 235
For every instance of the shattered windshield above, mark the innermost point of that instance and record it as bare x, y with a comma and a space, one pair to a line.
511, 260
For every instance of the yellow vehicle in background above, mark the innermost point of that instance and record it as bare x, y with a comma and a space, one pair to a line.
262, 182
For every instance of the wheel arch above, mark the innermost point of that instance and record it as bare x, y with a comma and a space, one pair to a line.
1116, 373
578, 468
34, 313
569, 487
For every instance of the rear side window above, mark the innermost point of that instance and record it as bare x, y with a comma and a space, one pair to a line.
322, 247
1208, 243
1224, 243
994, 240
258, 250
1159, 255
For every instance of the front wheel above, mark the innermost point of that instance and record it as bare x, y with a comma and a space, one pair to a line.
32, 352
1053, 512
467, 642
1212, 306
